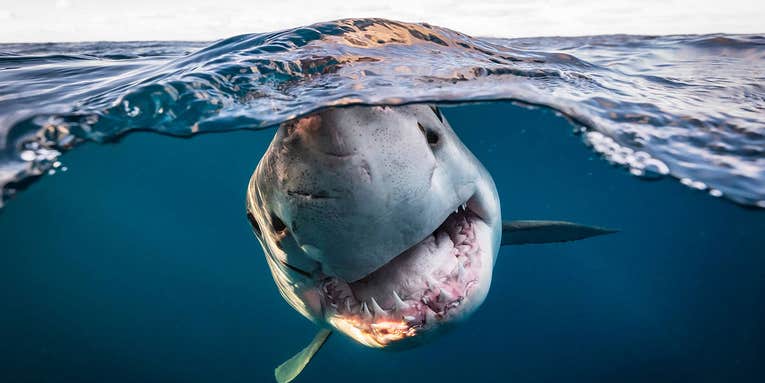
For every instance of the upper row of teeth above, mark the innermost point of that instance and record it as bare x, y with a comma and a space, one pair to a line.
461, 207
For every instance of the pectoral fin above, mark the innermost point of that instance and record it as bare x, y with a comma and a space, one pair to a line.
526, 232
293, 366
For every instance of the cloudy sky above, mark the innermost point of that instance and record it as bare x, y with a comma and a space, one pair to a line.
87, 20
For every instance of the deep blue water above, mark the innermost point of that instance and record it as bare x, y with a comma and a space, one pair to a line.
138, 265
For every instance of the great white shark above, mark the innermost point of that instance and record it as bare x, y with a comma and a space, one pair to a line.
377, 222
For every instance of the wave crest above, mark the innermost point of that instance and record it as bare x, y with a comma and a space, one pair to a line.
688, 106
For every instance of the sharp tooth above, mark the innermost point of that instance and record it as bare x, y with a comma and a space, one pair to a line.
377, 309
365, 311
400, 304
409, 318
348, 304
464, 206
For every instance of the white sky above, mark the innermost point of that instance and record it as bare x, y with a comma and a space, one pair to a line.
88, 20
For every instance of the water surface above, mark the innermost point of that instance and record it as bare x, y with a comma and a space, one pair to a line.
686, 106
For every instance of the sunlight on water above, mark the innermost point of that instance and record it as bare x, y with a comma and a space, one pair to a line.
687, 106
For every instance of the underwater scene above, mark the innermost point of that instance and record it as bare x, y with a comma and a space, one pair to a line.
406, 202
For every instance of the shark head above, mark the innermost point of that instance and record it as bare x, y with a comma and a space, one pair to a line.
377, 222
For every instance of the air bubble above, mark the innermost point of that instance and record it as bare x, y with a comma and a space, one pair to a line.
28, 155
640, 163
698, 185
656, 167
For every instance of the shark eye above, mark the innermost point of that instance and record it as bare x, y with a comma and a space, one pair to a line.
253, 223
277, 224
430, 135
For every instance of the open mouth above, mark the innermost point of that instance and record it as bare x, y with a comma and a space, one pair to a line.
426, 285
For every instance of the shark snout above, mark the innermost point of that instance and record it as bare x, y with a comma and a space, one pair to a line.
355, 185
312, 134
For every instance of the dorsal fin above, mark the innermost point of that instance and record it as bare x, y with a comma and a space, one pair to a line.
293, 366
528, 232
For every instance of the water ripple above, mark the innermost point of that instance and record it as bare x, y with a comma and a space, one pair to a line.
688, 106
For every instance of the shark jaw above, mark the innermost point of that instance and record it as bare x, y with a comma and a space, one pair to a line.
431, 285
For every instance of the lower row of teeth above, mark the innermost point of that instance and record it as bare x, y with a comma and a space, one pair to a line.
372, 311
464, 243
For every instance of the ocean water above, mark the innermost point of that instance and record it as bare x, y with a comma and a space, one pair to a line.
137, 263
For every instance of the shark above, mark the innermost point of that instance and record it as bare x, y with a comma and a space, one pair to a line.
377, 222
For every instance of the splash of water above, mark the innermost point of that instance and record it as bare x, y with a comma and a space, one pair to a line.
688, 106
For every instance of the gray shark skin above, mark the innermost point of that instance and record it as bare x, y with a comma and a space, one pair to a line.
377, 222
